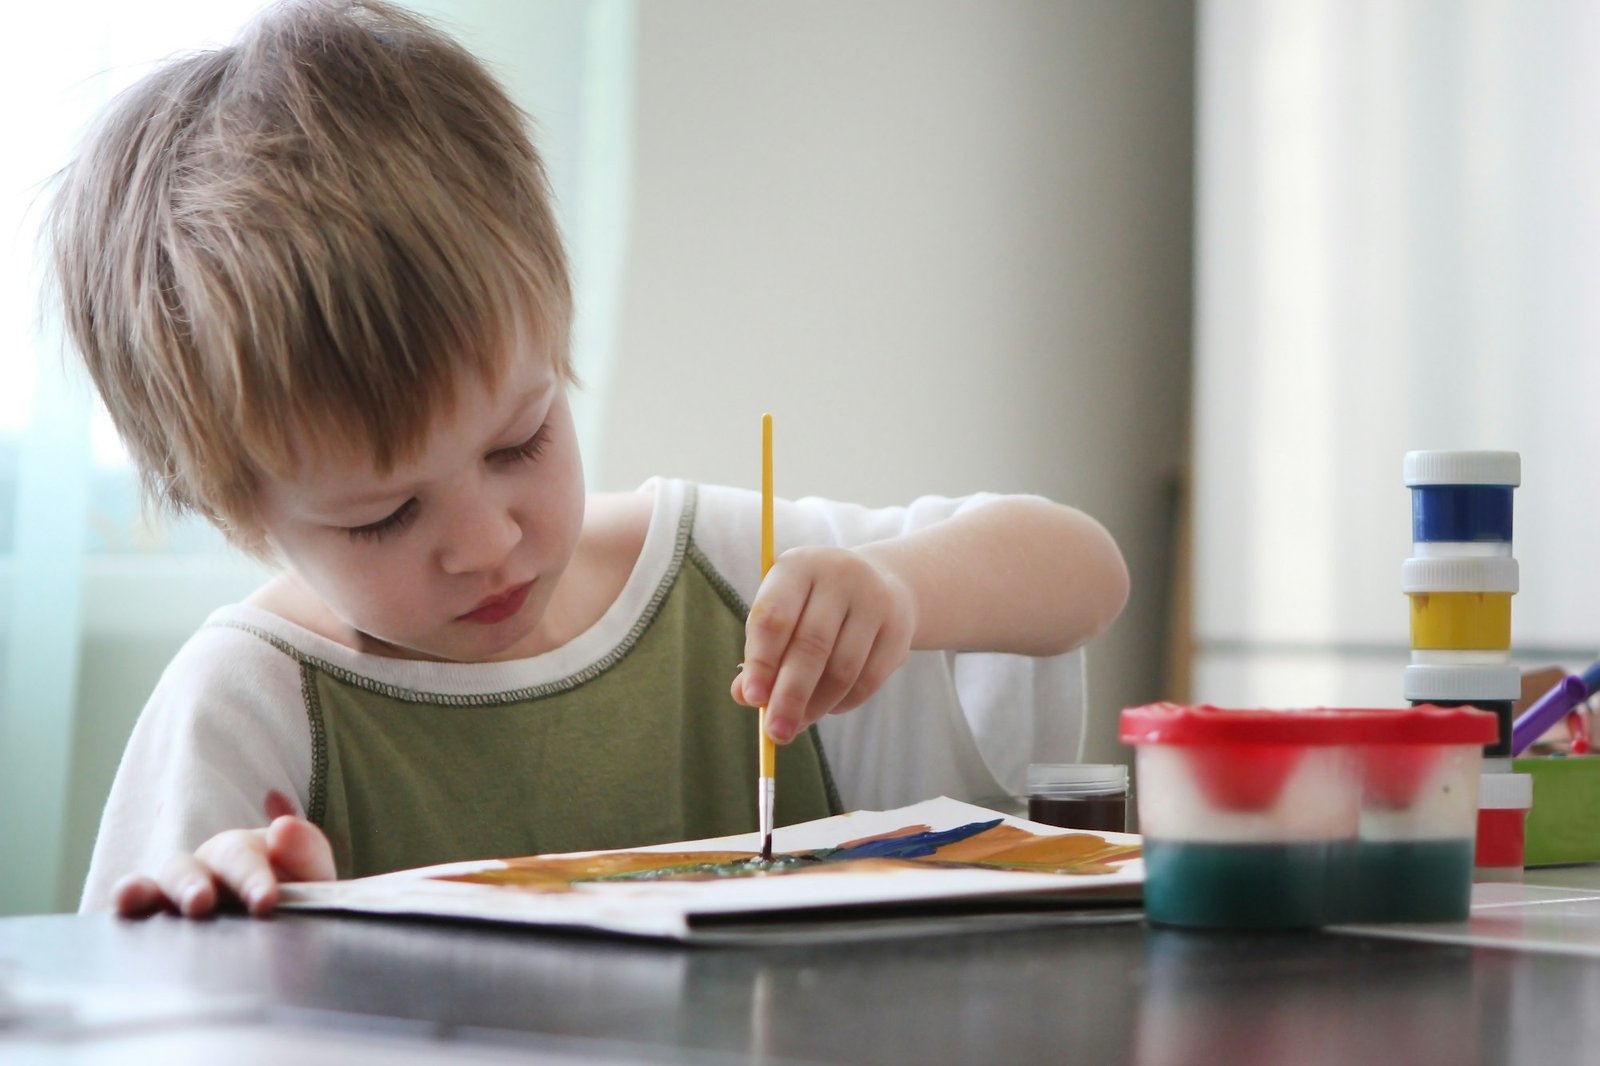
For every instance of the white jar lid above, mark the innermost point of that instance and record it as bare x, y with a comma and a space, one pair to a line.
1505, 792
1489, 573
1453, 682
1076, 779
1463, 468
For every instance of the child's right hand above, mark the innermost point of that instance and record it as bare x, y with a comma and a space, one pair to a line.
246, 864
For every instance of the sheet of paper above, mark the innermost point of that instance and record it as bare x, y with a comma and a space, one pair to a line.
1564, 921
670, 909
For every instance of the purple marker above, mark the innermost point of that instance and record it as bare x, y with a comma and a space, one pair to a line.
1546, 711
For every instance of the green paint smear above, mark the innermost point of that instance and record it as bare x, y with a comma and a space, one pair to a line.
751, 867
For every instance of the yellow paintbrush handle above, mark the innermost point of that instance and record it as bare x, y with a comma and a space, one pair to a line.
769, 751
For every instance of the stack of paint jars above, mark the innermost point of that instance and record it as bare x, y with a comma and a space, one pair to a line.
1460, 580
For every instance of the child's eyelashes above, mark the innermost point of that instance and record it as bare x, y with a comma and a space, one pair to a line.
528, 449
393, 523
406, 513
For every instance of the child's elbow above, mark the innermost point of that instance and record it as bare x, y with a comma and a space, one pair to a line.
1103, 584
1114, 587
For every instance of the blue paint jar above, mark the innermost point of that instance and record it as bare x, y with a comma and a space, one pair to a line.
1461, 502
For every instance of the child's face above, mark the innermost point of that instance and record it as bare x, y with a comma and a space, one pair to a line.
457, 553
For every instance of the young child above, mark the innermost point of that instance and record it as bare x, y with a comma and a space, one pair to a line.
317, 282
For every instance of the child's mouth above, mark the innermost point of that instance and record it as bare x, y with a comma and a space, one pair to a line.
498, 608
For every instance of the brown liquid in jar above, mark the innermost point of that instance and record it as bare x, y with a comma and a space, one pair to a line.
1108, 811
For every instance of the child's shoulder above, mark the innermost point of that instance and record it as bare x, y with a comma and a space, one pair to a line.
615, 527
619, 519
228, 662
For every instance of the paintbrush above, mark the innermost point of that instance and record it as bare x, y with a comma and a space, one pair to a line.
767, 780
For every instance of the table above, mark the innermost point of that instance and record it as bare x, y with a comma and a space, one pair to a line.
353, 990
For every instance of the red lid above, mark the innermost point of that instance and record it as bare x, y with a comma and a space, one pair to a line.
1171, 723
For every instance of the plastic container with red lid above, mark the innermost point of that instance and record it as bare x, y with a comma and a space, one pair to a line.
1297, 818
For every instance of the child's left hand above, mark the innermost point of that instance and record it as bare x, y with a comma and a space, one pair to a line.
827, 628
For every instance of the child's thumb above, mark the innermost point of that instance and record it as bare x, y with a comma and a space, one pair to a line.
299, 851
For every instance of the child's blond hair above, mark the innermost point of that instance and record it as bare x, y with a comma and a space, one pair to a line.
299, 242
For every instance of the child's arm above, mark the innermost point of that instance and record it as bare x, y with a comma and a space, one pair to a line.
1015, 574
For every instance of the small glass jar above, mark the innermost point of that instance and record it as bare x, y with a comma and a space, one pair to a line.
1503, 804
1079, 795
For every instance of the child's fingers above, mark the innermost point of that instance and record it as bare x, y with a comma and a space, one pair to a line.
138, 896
888, 655
238, 859
299, 851
811, 647
852, 649
768, 631
188, 885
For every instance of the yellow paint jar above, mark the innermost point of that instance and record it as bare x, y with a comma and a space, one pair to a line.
1464, 621
1460, 604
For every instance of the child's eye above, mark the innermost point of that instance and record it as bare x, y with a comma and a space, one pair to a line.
394, 523
528, 449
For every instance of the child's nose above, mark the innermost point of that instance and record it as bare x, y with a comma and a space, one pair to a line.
480, 538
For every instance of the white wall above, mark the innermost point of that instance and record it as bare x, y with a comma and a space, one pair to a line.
946, 244
1399, 240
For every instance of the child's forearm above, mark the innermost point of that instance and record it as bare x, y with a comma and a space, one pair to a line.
1018, 574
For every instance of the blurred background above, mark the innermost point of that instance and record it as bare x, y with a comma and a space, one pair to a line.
1205, 270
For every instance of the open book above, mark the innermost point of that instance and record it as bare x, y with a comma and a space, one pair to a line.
933, 866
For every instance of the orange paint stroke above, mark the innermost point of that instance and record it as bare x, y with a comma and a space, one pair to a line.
1003, 847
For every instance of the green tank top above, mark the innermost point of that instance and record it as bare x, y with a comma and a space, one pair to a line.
645, 747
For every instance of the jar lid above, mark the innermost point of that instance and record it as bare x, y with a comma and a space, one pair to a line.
1170, 723
1077, 778
1450, 682
1463, 468
1486, 573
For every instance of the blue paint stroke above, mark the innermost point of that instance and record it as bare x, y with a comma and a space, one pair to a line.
914, 846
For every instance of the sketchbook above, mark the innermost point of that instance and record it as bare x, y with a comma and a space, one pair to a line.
937, 866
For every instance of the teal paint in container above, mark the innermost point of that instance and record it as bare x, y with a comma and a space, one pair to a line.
1419, 811
1262, 819
1245, 886
1410, 881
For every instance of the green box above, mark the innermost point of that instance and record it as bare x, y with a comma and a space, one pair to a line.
1564, 825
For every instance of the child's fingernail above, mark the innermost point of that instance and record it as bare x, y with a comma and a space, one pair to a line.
255, 895
780, 732
191, 894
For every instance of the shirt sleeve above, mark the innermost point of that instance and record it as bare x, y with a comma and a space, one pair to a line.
224, 725
958, 724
